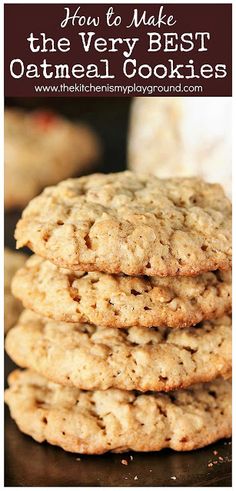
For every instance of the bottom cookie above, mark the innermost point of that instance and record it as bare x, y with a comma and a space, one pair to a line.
95, 422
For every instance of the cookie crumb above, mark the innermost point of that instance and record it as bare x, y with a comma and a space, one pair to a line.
78, 459
174, 478
135, 478
150, 470
131, 457
124, 462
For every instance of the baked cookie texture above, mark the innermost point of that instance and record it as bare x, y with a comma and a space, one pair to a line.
12, 307
90, 357
114, 420
42, 148
132, 224
121, 301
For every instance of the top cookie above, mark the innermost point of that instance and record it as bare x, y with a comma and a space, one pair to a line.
41, 148
132, 224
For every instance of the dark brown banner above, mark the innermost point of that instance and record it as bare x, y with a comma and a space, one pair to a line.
118, 50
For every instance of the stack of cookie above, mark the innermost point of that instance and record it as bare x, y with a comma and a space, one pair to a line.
127, 333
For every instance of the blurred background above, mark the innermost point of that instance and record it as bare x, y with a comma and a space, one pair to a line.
108, 116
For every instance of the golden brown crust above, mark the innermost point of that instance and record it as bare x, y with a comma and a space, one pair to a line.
132, 224
114, 420
90, 357
121, 301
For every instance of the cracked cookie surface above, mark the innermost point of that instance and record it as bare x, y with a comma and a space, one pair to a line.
12, 307
114, 420
132, 224
90, 357
121, 301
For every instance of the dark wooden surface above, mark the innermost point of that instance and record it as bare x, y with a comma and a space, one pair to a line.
30, 464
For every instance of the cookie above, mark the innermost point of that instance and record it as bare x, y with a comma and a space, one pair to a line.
41, 148
90, 357
114, 420
121, 301
12, 307
132, 224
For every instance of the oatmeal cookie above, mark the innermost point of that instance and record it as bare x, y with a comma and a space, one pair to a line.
114, 420
91, 357
121, 301
132, 224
